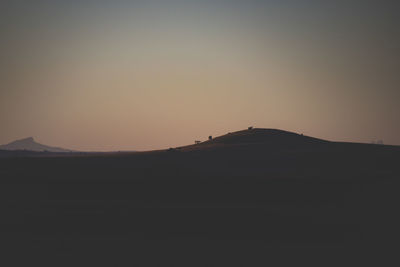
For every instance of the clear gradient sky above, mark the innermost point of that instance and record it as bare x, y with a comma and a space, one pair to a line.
138, 75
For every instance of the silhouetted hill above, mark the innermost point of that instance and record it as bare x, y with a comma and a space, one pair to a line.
273, 138
260, 141
30, 144
265, 136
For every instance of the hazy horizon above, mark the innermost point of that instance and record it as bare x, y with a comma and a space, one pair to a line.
145, 75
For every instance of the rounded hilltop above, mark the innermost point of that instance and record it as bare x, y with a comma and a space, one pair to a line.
259, 136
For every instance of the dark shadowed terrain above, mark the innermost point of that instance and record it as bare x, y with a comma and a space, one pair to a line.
228, 201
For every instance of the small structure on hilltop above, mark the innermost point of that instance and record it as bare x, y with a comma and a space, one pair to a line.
197, 142
210, 137
250, 128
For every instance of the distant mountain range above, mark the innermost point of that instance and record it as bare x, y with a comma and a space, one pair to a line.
30, 144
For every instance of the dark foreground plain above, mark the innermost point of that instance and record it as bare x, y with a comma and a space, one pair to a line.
229, 201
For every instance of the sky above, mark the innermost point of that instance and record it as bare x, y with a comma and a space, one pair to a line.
142, 75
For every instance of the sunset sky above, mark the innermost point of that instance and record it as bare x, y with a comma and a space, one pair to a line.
139, 75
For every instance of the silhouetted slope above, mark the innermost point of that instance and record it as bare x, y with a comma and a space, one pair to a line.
30, 145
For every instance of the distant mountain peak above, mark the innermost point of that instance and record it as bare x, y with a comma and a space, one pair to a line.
26, 140
30, 144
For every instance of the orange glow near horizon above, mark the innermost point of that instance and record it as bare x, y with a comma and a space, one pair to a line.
156, 77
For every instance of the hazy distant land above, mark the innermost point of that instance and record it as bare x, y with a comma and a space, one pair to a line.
29, 144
